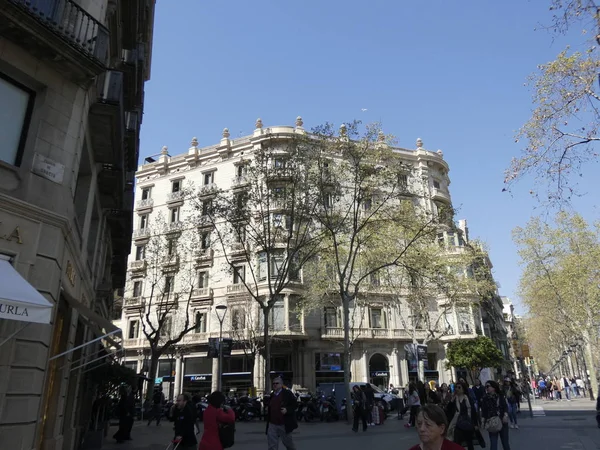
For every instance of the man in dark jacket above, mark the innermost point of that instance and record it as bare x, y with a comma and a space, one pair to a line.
281, 414
184, 416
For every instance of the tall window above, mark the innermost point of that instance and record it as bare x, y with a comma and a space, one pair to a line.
15, 112
205, 240
278, 315
377, 318
140, 252
202, 279
241, 170
209, 178
200, 322
239, 274
436, 184
176, 186
403, 181
174, 215
238, 321
145, 193
143, 221
332, 318
134, 329
171, 246
207, 208
169, 284
165, 330
137, 289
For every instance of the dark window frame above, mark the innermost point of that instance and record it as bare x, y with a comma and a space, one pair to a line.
26, 119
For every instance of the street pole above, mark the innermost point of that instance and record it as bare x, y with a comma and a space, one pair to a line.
219, 383
221, 310
521, 359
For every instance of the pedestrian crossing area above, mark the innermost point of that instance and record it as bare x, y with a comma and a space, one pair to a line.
538, 411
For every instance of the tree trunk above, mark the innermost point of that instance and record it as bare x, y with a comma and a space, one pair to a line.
154, 355
589, 360
267, 347
348, 356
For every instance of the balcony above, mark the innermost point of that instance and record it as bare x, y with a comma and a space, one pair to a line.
236, 289
170, 262
204, 257
372, 333
137, 266
144, 205
133, 302
59, 32
279, 173
441, 194
135, 343
204, 221
202, 296
195, 338
239, 182
141, 234
208, 190
238, 249
174, 198
173, 228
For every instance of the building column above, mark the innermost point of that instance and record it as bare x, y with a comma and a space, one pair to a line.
259, 369
365, 366
403, 368
178, 375
394, 368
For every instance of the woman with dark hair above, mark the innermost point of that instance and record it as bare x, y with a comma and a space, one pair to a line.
215, 414
432, 425
494, 411
463, 415
414, 403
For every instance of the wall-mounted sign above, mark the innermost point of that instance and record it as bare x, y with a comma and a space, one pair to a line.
380, 373
48, 168
199, 377
11, 234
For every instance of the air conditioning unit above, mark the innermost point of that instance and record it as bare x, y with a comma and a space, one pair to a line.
129, 56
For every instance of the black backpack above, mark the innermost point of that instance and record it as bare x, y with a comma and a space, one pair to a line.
227, 434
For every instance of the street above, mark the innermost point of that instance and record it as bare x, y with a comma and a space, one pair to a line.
563, 425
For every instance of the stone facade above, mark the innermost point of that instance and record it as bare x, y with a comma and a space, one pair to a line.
308, 351
62, 86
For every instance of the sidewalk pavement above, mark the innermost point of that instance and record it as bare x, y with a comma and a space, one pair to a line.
566, 426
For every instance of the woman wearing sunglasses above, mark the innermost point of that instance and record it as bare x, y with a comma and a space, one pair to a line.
494, 411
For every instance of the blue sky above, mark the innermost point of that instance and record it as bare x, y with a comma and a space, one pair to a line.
452, 73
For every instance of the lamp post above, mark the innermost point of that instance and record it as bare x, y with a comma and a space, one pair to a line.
221, 310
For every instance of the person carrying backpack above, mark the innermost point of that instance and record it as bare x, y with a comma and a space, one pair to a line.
216, 417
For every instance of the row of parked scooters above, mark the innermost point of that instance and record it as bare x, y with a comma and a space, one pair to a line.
310, 408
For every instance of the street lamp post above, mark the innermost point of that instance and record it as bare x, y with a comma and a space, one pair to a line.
221, 310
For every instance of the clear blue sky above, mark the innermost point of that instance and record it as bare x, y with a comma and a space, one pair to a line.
452, 73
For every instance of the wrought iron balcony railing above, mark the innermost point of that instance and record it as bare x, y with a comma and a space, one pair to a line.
72, 23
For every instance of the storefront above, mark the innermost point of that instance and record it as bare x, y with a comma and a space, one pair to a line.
329, 368
379, 371
197, 377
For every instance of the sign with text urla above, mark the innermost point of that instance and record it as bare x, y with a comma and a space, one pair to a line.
48, 168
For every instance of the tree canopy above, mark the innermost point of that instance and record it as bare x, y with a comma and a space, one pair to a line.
561, 136
474, 355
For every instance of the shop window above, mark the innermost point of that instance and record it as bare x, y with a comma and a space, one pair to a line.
15, 114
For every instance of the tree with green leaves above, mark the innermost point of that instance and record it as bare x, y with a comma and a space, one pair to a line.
361, 184
474, 355
438, 287
560, 280
561, 136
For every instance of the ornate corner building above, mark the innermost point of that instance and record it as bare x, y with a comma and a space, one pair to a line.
72, 76
307, 348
